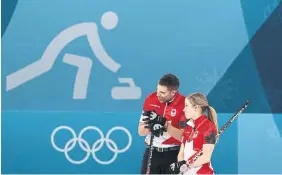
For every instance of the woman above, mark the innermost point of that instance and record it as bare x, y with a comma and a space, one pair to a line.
200, 134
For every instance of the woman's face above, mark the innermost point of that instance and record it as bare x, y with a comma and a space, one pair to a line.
189, 109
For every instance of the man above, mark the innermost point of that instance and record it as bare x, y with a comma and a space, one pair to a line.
163, 116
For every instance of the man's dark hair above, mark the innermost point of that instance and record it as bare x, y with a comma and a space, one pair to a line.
170, 81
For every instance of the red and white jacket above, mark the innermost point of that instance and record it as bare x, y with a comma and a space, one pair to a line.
172, 111
202, 131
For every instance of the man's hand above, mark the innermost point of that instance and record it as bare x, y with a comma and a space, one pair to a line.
178, 167
156, 129
152, 118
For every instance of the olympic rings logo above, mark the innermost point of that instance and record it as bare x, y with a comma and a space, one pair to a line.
83, 144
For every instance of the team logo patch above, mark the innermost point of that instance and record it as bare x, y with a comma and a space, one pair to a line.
195, 134
173, 112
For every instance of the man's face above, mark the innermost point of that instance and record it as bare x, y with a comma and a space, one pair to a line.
165, 95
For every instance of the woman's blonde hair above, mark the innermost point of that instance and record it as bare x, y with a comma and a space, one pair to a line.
199, 99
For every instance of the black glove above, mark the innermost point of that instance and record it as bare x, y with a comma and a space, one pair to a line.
151, 117
178, 167
156, 129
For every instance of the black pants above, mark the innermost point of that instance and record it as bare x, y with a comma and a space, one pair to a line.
160, 161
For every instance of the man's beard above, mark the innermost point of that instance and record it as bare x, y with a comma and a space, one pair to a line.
164, 100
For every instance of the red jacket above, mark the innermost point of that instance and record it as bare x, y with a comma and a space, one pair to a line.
172, 111
204, 132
